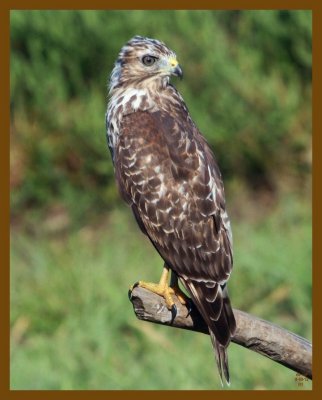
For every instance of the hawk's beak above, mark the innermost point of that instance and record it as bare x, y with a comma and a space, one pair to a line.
175, 68
177, 71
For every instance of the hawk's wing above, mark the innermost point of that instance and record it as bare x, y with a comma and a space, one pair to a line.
167, 173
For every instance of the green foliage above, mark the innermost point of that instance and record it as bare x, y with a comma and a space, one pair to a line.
247, 84
74, 328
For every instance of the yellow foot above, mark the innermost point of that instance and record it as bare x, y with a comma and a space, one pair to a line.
181, 296
161, 290
164, 290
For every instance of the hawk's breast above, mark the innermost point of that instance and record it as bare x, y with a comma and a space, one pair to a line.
162, 172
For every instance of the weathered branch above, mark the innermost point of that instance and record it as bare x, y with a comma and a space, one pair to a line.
261, 336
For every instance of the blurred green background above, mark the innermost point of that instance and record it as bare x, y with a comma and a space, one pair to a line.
75, 247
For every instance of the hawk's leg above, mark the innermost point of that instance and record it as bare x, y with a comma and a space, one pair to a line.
163, 289
181, 296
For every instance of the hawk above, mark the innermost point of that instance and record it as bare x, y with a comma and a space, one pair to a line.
167, 173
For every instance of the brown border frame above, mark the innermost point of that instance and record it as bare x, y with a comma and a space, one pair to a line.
5, 7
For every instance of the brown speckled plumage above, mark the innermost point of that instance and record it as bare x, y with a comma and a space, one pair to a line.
167, 173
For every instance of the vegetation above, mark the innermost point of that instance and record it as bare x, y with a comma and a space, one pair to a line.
73, 326
75, 249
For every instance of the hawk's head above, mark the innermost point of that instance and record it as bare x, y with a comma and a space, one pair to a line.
142, 60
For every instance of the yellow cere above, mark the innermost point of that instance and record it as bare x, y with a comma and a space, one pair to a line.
173, 62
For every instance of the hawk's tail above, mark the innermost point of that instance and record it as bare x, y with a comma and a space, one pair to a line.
221, 358
214, 305
226, 321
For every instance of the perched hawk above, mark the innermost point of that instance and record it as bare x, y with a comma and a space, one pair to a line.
168, 175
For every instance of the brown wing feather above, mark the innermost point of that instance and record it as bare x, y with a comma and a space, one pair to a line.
167, 173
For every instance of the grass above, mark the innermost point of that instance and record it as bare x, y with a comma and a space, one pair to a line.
72, 326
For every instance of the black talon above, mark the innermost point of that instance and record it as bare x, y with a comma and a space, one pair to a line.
189, 305
129, 293
131, 290
173, 313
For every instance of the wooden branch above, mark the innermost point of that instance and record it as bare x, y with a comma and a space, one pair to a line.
255, 334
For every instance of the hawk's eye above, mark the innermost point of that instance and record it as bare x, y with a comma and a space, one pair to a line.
149, 60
